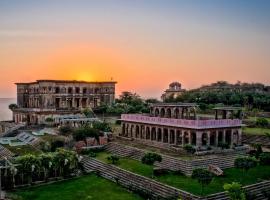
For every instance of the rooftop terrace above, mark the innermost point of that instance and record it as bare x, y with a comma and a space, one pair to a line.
185, 123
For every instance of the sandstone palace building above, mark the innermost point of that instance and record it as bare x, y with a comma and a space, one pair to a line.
177, 124
51, 98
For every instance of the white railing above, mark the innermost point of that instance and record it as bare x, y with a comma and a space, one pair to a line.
209, 123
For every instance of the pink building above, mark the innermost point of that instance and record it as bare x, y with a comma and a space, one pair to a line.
178, 124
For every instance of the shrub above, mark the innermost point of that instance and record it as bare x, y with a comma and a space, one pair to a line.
160, 171
223, 145
258, 149
102, 126
203, 176
245, 163
113, 159
85, 131
265, 158
262, 122
235, 191
189, 148
118, 122
55, 144
65, 130
12, 106
150, 158
49, 119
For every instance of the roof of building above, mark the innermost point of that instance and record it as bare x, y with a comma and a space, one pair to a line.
65, 81
228, 108
175, 105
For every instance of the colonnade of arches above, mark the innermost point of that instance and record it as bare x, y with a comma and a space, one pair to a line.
174, 112
180, 136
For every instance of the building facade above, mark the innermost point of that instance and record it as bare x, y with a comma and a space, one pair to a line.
174, 90
177, 125
50, 98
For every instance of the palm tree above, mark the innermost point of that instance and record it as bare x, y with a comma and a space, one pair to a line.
46, 161
28, 165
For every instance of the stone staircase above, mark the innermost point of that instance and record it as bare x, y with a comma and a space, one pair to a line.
223, 161
255, 191
11, 130
134, 182
251, 139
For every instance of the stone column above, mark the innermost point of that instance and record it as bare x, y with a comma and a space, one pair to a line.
208, 138
175, 136
216, 143
199, 139
239, 136
232, 137
224, 136
183, 137
169, 136
162, 135
189, 137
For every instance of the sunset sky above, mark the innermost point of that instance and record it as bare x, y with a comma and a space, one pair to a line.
143, 45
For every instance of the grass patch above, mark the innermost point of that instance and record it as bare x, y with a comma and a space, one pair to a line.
84, 188
129, 164
256, 131
188, 184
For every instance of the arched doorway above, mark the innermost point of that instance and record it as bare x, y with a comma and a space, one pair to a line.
204, 139
156, 112
153, 133
168, 113
193, 138
165, 135
178, 137
176, 113
162, 112
137, 135
212, 138
159, 132
147, 133
172, 137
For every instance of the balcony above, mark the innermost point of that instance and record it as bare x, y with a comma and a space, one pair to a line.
184, 123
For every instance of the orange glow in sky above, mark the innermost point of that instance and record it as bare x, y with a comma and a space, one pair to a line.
143, 45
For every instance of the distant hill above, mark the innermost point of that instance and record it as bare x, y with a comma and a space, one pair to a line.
240, 87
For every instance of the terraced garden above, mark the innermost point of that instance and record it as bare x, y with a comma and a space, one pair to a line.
84, 188
187, 183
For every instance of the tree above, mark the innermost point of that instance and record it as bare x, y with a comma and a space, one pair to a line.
150, 158
264, 158
28, 164
46, 163
12, 106
65, 130
203, 176
113, 159
235, 191
88, 112
85, 131
102, 126
245, 163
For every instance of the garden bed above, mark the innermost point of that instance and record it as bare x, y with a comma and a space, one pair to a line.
188, 184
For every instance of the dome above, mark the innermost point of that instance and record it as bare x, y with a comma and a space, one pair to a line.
175, 85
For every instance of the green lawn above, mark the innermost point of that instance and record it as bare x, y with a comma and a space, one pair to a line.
256, 131
188, 184
84, 188
253, 119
